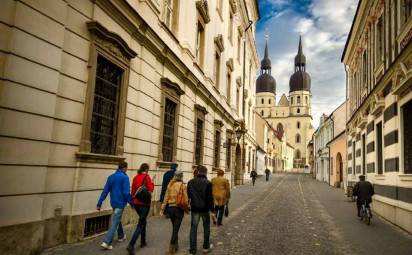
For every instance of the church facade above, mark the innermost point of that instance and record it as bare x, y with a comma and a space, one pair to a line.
292, 114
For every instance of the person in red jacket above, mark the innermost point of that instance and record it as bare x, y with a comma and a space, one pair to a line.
142, 209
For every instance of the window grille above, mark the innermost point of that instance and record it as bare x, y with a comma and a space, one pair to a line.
168, 130
96, 225
199, 142
105, 107
407, 137
216, 157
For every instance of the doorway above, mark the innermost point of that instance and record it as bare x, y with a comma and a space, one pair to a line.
339, 170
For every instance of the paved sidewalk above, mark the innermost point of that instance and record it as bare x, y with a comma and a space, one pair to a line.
159, 229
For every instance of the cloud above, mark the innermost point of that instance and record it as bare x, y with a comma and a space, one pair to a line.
324, 26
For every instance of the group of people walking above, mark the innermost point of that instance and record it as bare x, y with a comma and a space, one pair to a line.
202, 198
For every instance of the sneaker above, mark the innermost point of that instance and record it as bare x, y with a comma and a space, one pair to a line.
122, 239
106, 246
130, 250
208, 250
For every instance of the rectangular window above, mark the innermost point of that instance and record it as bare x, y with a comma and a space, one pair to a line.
379, 41
103, 130
216, 149
379, 154
237, 98
239, 46
354, 158
200, 41
199, 142
228, 151
363, 154
229, 86
407, 137
230, 30
168, 130
217, 69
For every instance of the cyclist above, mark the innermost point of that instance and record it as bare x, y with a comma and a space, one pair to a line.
363, 190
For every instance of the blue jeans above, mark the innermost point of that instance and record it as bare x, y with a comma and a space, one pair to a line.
142, 211
116, 225
193, 230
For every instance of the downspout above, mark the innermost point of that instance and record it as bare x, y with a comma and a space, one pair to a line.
346, 115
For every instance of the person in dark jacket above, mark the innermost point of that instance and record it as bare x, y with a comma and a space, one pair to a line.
167, 177
199, 191
118, 186
142, 208
364, 192
253, 175
267, 173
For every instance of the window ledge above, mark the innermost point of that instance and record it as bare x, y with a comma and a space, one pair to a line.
98, 158
405, 177
165, 164
380, 177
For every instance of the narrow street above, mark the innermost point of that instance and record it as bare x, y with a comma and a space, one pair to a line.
291, 214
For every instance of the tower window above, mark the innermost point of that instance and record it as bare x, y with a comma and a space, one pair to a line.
261, 113
306, 99
298, 110
297, 138
298, 124
298, 100
263, 101
291, 100
270, 101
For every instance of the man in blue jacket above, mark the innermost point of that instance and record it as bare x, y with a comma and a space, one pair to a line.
118, 186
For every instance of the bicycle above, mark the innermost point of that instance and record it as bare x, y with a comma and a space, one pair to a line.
365, 213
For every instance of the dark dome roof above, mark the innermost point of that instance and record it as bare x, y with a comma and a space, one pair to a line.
300, 80
265, 83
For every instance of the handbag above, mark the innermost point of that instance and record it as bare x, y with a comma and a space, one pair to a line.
143, 194
227, 210
181, 200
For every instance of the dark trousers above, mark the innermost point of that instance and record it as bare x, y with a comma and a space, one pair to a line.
193, 230
359, 205
219, 211
253, 180
267, 177
142, 211
176, 216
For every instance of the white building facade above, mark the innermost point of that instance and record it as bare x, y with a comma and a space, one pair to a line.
93, 83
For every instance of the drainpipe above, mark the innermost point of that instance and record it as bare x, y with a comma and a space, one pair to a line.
346, 116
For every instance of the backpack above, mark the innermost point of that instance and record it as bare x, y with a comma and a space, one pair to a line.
143, 194
181, 200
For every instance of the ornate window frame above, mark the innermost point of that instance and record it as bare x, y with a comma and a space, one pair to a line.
171, 91
112, 47
218, 124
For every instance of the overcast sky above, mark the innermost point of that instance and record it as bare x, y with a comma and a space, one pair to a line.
324, 26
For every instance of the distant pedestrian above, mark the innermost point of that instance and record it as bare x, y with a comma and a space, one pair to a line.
118, 186
221, 195
253, 175
201, 204
364, 191
177, 200
167, 177
142, 183
267, 173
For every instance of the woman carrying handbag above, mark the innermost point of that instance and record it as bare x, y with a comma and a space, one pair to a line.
177, 201
142, 189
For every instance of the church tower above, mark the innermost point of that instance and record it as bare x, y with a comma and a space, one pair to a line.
265, 87
299, 86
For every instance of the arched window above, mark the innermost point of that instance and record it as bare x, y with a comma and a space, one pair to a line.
270, 101
297, 154
298, 110
291, 100
298, 100
298, 125
263, 101
297, 138
261, 113
279, 128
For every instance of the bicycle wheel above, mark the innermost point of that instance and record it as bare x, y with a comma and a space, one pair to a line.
368, 217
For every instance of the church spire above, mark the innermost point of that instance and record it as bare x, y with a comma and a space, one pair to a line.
265, 64
300, 59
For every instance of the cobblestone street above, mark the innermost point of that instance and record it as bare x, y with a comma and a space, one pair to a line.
291, 214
